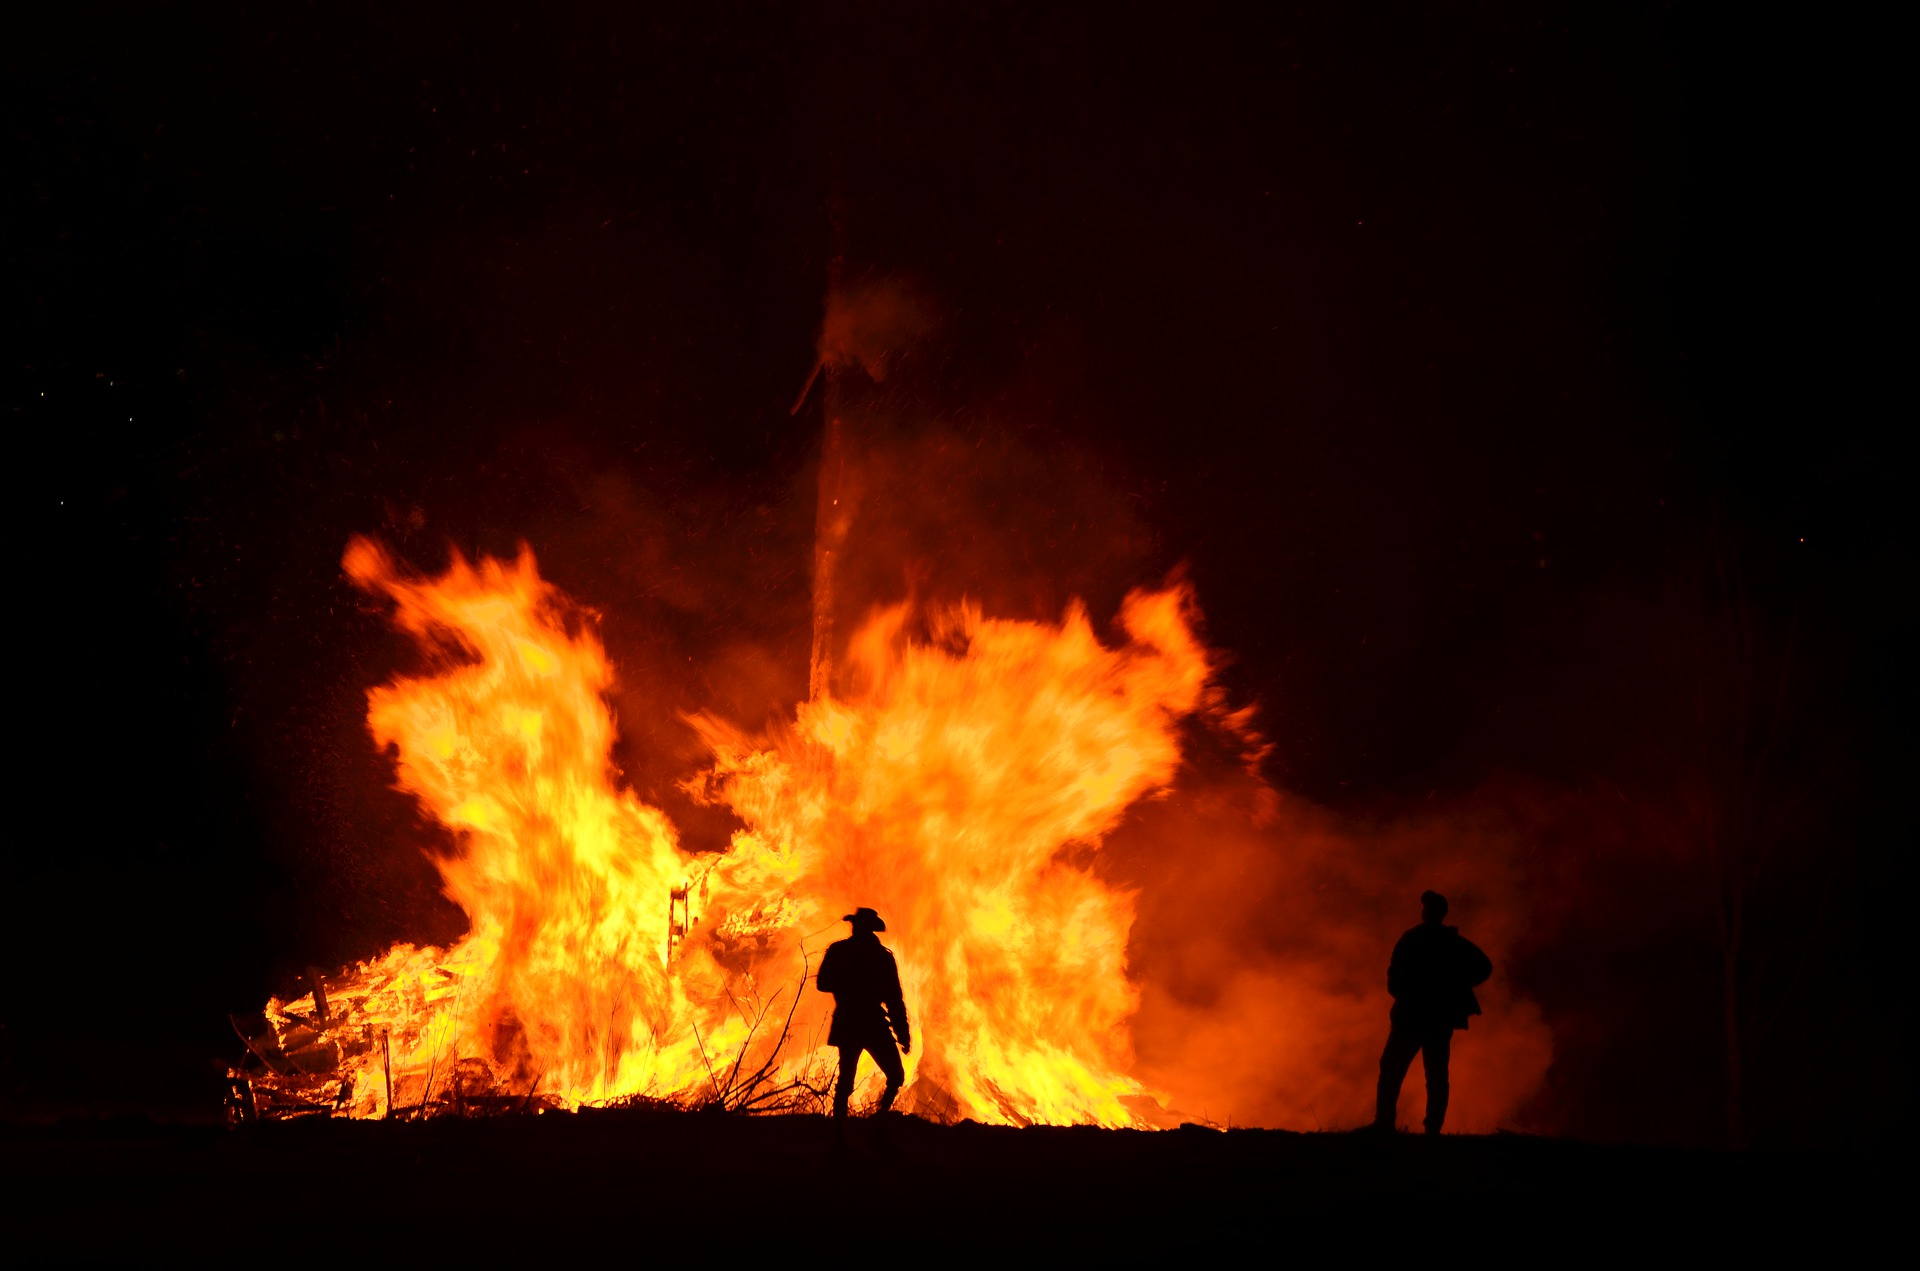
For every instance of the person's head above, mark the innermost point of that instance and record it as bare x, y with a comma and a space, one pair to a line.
1433, 907
865, 920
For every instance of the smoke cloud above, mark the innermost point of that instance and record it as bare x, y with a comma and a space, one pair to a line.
1261, 947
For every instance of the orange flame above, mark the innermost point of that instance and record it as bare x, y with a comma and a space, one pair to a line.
961, 787
952, 791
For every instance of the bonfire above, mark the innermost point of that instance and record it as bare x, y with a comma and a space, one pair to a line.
961, 779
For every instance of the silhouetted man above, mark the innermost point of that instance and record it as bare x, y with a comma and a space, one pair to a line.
869, 1011
1432, 977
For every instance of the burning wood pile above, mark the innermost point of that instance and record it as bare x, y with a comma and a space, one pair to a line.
313, 1049
317, 1048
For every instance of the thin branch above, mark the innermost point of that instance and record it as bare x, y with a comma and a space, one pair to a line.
752, 1028
786, 1028
248, 1043
432, 1061
528, 1101
711, 1080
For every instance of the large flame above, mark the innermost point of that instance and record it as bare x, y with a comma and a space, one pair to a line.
960, 785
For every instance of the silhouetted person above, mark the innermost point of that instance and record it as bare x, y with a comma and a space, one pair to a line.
1432, 977
869, 1011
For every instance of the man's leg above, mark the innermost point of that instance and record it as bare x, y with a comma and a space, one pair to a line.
1436, 1048
843, 1084
888, 1058
1402, 1043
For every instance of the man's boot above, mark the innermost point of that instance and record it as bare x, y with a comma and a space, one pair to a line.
1436, 1108
1386, 1105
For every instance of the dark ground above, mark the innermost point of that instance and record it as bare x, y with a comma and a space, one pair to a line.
731, 1189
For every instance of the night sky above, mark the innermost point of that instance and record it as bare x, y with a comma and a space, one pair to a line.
1451, 351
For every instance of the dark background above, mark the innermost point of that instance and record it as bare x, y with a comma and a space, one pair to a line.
1462, 353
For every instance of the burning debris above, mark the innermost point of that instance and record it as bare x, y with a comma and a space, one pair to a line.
314, 1049
962, 782
318, 1052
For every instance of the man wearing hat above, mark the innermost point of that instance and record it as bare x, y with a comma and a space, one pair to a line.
869, 1011
1432, 977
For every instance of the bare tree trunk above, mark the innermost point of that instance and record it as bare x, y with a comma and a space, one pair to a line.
833, 515
832, 519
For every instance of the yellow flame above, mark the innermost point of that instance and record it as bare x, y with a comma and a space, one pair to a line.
961, 787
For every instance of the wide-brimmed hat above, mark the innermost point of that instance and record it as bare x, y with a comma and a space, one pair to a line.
864, 919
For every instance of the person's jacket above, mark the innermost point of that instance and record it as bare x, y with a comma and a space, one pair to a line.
865, 983
1432, 977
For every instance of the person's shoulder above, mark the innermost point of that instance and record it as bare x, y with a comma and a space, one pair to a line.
1425, 939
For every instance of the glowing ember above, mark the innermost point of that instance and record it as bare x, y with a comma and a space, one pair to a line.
960, 787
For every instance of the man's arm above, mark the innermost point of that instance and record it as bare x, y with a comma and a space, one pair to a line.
1397, 970
827, 977
1474, 963
896, 1002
